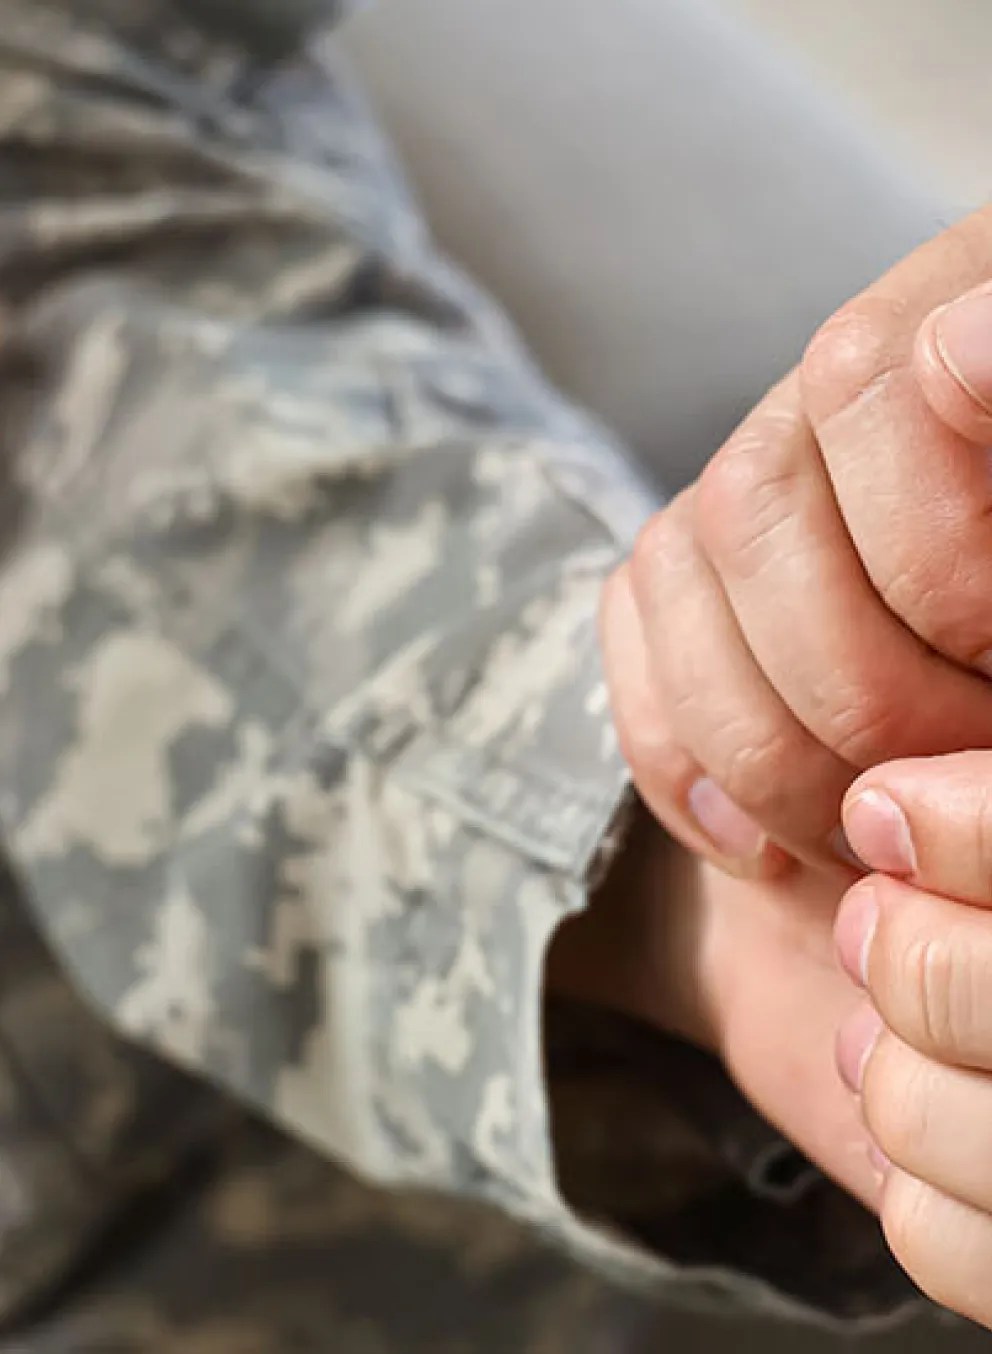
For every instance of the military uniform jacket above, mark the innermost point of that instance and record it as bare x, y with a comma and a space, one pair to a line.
305, 753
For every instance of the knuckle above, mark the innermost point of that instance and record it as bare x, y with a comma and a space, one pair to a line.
650, 544
653, 755
756, 766
746, 493
898, 1103
848, 356
944, 983
863, 723
779, 778
658, 542
941, 593
648, 749
914, 581
981, 826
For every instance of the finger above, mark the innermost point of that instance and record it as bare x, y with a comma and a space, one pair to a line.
667, 776
916, 500
764, 965
933, 1121
927, 965
945, 1246
953, 363
930, 1127
852, 674
928, 819
728, 716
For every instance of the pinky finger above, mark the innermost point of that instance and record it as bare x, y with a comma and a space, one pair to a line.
665, 774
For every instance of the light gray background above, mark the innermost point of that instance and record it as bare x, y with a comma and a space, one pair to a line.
666, 205
918, 70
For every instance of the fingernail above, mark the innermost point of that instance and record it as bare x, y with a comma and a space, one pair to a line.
855, 1045
963, 336
841, 848
878, 833
728, 827
854, 931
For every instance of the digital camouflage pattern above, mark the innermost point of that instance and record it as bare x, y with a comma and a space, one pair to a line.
305, 752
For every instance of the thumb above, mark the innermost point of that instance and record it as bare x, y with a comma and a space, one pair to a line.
928, 820
953, 363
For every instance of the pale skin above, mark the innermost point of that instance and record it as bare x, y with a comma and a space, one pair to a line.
917, 1054
746, 970
818, 602
814, 611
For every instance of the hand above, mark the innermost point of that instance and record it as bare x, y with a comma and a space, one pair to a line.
918, 1053
818, 602
746, 970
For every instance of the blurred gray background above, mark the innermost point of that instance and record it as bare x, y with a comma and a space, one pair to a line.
917, 70
668, 203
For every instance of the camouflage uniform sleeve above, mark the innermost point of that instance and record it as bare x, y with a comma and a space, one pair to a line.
304, 747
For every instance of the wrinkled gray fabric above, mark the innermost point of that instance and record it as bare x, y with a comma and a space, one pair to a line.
304, 745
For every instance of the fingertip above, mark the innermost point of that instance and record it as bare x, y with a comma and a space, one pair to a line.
896, 778
854, 930
856, 1041
953, 363
866, 781
928, 820
878, 830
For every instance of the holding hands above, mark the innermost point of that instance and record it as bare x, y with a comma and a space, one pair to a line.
813, 612
820, 601
918, 1052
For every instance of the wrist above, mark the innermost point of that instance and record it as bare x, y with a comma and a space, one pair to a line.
635, 948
